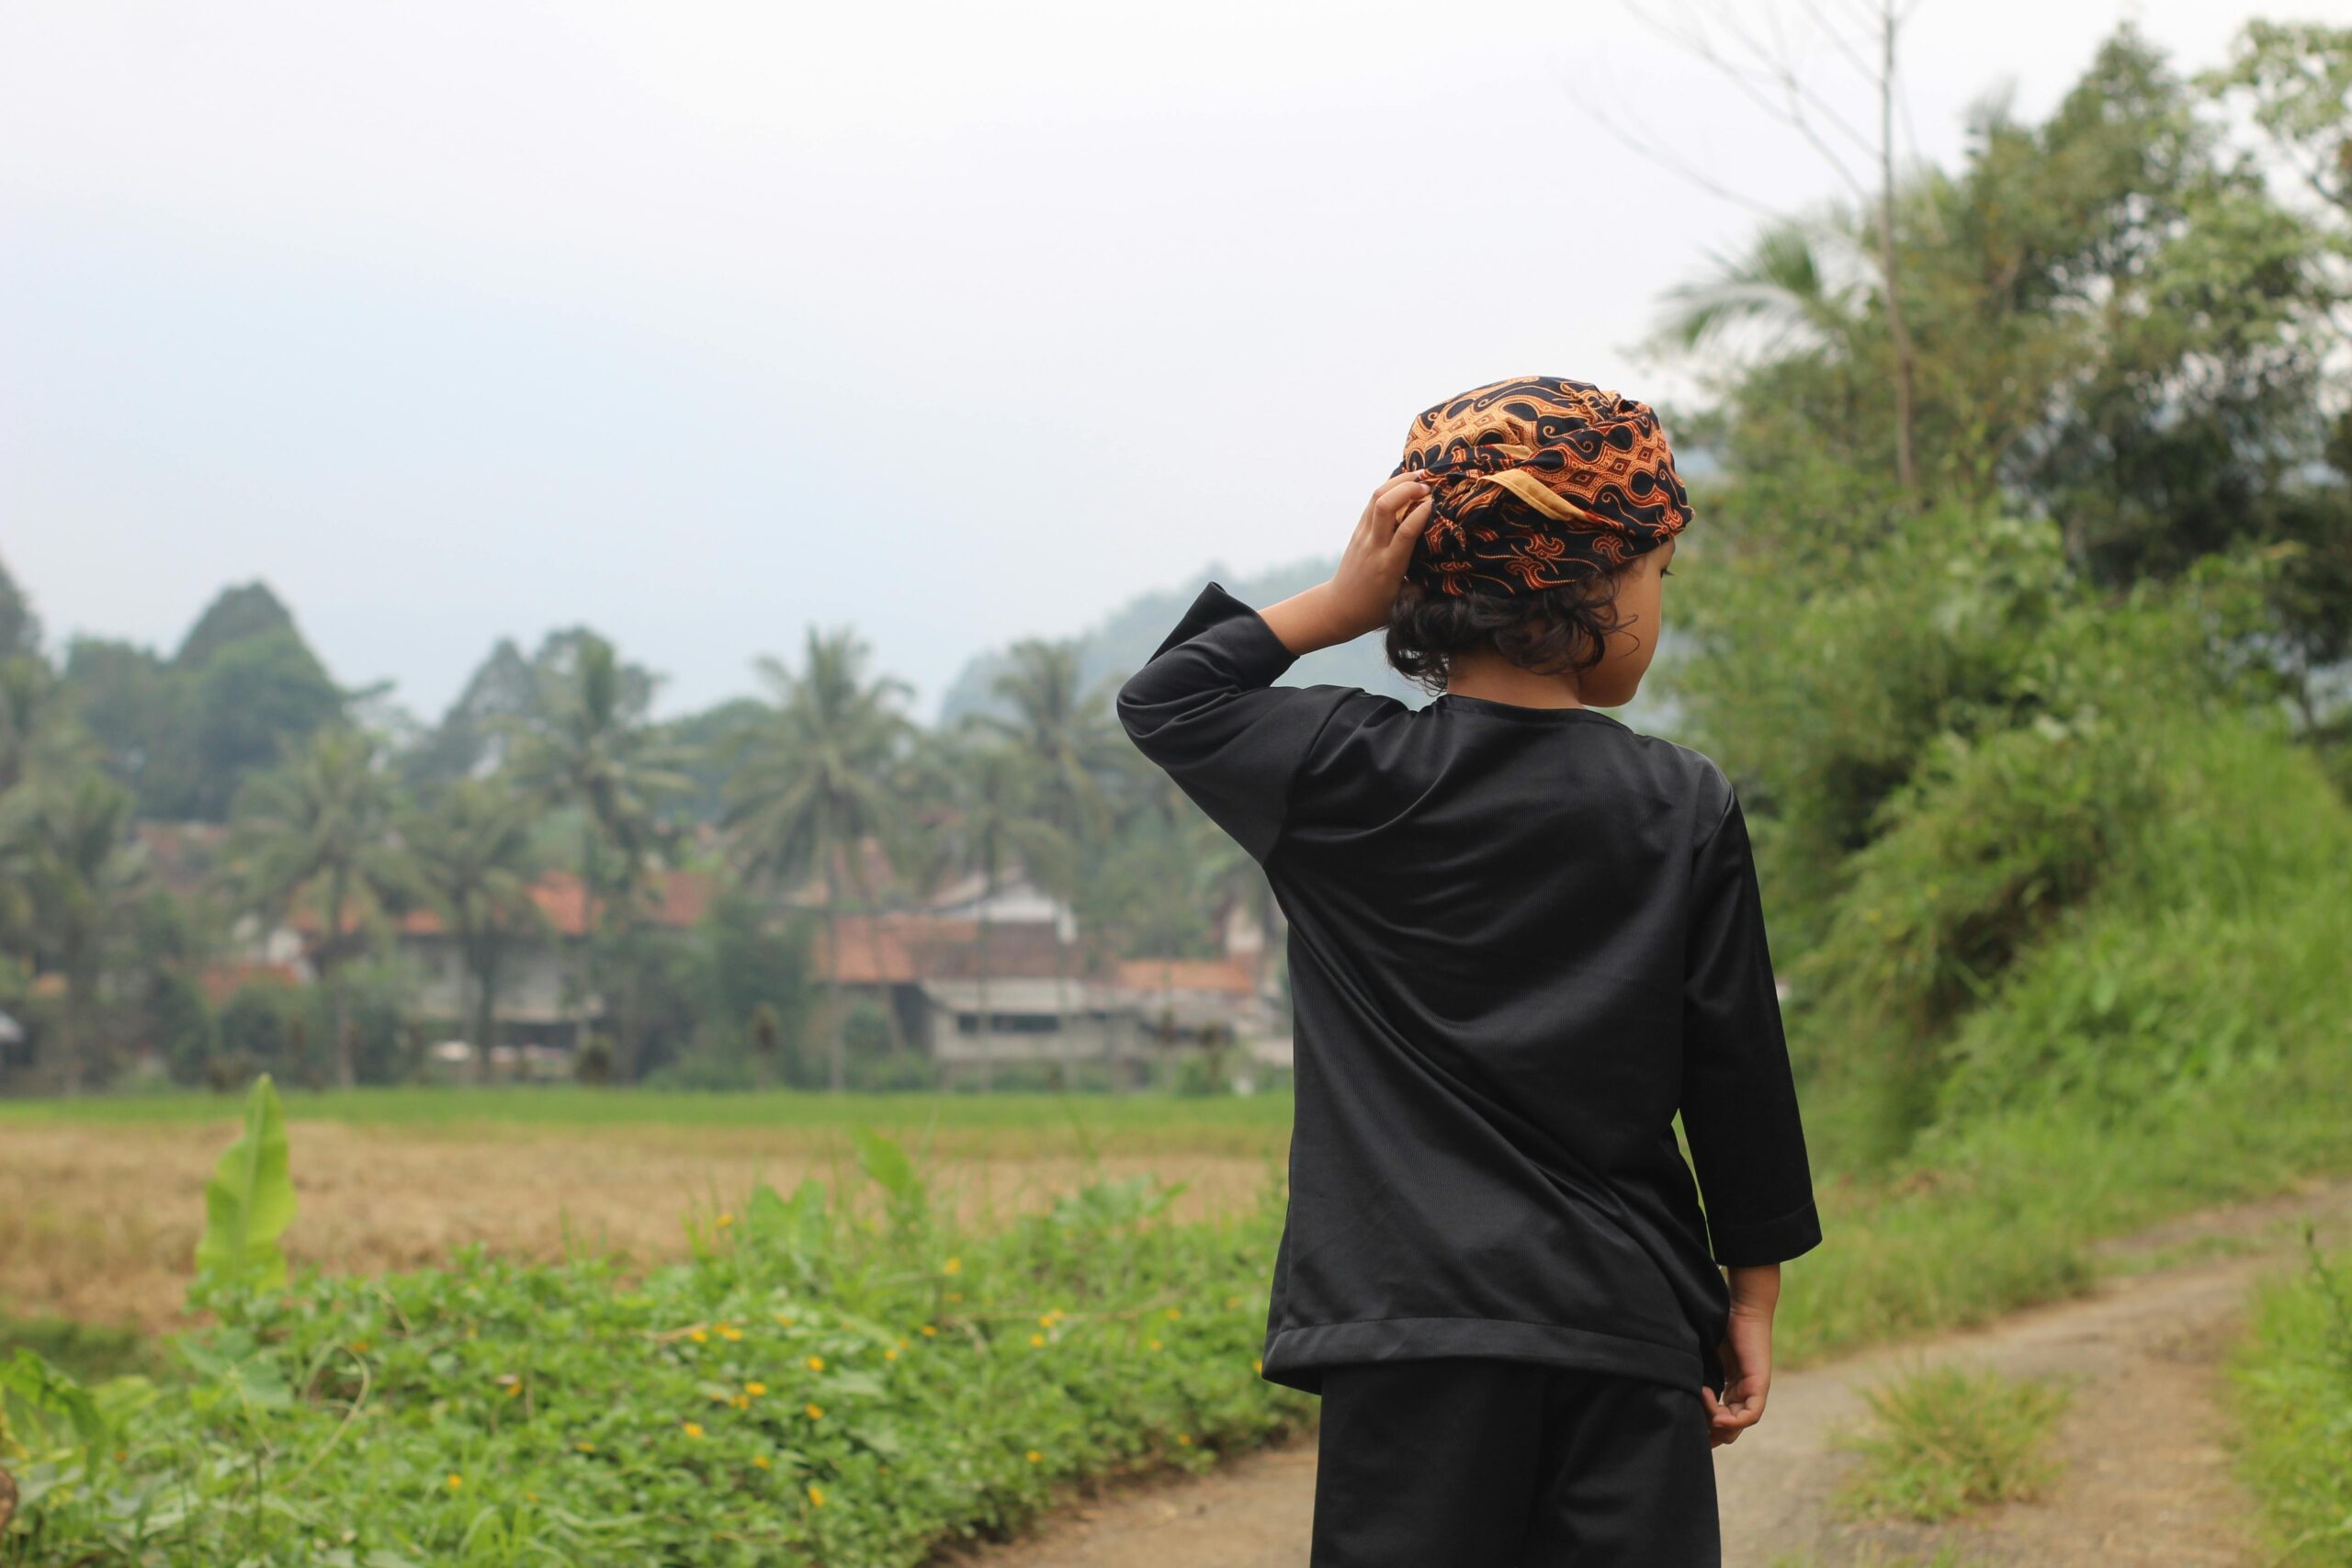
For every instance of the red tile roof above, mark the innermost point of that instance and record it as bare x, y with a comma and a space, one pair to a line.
221, 981
678, 899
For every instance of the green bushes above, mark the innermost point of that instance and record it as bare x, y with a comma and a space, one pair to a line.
820, 1382
2294, 1397
2216, 948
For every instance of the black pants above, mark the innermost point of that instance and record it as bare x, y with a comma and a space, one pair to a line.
1461, 1463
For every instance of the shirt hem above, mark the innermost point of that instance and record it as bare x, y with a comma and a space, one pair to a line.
1295, 1358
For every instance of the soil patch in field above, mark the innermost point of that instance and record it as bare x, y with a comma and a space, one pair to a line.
100, 1223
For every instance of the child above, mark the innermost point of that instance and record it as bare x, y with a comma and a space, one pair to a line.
1521, 938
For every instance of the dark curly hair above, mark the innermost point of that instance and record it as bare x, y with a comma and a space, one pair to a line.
1550, 631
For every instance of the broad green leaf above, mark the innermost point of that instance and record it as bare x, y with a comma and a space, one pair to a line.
54, 1394
888, 1166
250, 1201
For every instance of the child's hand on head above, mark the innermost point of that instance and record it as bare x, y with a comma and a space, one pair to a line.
1357, 598
1373, 566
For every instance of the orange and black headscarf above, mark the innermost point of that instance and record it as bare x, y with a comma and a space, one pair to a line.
1536, 483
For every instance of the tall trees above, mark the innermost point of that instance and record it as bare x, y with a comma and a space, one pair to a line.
69, 851
1069, 732
471, 846
312, 842
590, 745
813, 780
993, 825
185, 733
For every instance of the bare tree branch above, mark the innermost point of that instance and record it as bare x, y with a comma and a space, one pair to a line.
1650, 147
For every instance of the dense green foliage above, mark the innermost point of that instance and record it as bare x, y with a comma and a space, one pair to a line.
2294, 1394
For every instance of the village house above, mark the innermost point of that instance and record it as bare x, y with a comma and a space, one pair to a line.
972, 976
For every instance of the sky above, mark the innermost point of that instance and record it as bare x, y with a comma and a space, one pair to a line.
703, 323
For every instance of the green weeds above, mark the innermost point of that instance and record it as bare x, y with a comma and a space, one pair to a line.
2293, 1379
817, 1383
1943, 1441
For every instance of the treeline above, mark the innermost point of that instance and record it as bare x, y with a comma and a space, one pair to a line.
337, 819
2038, 742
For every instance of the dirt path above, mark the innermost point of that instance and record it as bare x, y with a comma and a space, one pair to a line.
2146, 1480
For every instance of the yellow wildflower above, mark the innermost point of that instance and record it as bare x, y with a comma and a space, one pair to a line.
816, 1363
1175, 1313
698, 1336
585, 1448
1034, 1457
729, 1331
1259, 1365
816, 1497
761, 1462
455, 1481
1045, 1320
725, 1219
1185, 1438
359, 1347
929, 1332
741, 1401
1155, 1343
1037, 1339
816, 1412
890, 1354
784, 1319
755, 1389
953, 1266
691, 1428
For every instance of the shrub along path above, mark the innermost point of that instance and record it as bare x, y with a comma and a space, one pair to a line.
2145, 1479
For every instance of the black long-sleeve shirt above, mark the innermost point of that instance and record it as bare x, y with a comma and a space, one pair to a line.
1520, 939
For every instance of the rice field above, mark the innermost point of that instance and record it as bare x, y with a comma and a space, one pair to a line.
101, 1200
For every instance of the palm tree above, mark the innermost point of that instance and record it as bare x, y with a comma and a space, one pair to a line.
314, 837
29, 732
1068, 730
472, 853
993, 827
813, 780
1780, 286
1075, 737
69, 854
591, 745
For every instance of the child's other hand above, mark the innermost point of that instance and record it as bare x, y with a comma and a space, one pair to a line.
1747, 1354
1373, 564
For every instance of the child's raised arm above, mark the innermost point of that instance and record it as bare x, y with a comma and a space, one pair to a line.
1206, 708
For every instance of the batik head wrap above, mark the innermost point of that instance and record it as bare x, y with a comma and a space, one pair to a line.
1538, 481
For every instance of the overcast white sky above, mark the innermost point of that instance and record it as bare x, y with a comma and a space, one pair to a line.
466, 317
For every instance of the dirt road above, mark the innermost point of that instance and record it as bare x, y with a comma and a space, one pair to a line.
2145, 1482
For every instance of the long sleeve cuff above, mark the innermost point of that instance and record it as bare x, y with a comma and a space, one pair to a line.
1767, 1241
